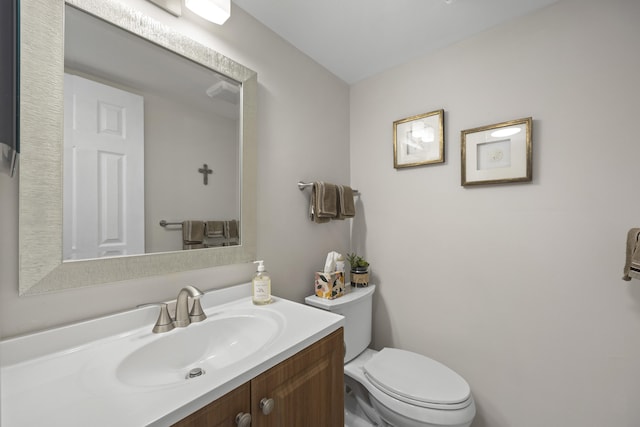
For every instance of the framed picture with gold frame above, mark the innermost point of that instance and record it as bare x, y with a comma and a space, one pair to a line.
497, 154
418, 140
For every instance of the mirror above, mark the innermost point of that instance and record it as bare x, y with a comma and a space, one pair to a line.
150, 138
42, 133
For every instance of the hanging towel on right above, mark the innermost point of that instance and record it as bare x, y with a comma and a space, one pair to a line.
632, 259
346, 206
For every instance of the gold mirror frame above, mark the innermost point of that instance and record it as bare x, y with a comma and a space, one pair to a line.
41, 133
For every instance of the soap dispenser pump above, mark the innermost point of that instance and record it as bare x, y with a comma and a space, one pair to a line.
261, 285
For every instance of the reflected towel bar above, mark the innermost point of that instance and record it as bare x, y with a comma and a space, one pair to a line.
164, 223
303, 185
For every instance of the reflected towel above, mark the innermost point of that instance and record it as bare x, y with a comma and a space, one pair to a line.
323, 202
192, 232
186, 247
231, 233
232, 229
222, 233
632, 259
215, 228
346, 207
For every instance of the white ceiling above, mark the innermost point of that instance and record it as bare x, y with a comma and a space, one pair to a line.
355, 39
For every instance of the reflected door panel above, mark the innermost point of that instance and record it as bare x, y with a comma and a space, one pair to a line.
104, 170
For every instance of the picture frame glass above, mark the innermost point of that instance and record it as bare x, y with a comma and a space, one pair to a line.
419, 140
497, 153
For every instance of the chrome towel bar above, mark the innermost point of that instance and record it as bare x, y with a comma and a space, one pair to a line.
164, 223
303, 185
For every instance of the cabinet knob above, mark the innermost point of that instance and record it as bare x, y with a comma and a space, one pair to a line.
267, 405
243, 419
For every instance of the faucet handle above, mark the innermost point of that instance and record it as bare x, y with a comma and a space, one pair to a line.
164, 322
196, 314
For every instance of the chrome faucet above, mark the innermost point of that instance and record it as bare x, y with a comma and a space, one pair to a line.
183, 316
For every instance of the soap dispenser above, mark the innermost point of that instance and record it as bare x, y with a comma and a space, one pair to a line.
261, 285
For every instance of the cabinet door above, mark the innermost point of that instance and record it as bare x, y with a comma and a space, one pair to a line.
307, 390
222, 412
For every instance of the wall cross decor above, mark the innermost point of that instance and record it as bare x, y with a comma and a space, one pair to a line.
205, 171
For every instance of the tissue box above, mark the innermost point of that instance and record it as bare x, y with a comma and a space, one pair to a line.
329, 285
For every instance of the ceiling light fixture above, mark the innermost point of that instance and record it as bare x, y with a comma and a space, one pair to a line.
216, 11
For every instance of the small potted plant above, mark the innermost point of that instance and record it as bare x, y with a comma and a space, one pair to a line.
359, 270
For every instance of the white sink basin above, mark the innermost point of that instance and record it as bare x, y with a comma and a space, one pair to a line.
221, 340
116, 372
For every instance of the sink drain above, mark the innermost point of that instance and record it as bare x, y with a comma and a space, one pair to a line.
195, 372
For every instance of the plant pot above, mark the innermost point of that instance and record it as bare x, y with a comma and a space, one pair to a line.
360, 277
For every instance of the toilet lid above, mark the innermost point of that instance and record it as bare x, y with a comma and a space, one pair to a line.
415, 379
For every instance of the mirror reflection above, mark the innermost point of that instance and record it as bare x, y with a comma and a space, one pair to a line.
151, 147
41, 266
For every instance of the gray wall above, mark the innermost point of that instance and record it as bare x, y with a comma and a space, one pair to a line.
517, 287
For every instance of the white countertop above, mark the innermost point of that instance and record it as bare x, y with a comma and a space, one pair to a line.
66, 376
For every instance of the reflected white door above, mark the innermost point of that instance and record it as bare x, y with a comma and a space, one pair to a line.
103, 170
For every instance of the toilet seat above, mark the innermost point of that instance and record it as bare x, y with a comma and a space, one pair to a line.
417, 380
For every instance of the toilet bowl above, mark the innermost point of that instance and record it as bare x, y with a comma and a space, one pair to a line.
393, 387
404, 389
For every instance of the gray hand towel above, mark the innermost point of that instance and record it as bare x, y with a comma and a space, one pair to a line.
215, 228
232, 233
323, 203
192, 232
187, 247
632, 259
233, 229
346, 207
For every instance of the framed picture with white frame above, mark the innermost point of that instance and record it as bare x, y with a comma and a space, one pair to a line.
497, 154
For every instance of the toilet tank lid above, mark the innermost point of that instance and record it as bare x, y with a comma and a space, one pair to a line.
332, 304
412, 377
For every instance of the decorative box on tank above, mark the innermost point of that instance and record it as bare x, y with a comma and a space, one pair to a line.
329, 285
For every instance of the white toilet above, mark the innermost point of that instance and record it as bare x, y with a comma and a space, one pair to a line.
393, 387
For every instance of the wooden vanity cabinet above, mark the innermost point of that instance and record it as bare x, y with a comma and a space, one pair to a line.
306, 390
222, 412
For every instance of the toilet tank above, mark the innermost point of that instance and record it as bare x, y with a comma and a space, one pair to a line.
356, 307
